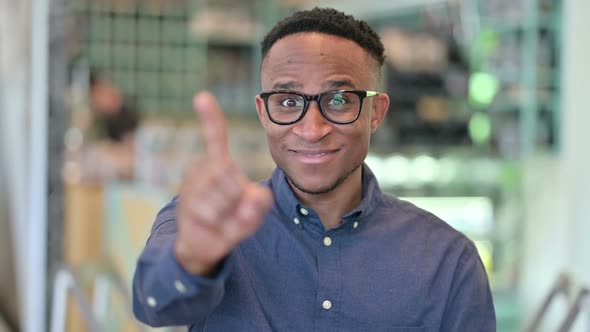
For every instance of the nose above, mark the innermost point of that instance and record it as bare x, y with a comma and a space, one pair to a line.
314, 126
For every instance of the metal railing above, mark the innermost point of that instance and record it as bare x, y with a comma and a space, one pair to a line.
578, 299
94, 313
582, 301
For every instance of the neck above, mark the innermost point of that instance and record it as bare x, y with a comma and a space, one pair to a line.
331, 206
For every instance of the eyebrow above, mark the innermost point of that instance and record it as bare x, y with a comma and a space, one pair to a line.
339, 84
329, 85
286, 86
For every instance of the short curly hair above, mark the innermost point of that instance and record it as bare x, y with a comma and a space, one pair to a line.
329, 21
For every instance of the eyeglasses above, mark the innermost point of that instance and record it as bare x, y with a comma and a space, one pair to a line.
339, 107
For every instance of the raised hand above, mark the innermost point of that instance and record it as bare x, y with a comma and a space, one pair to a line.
218, 206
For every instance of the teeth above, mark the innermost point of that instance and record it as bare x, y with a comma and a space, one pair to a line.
314, 154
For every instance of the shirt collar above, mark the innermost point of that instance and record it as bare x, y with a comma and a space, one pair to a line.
291, 206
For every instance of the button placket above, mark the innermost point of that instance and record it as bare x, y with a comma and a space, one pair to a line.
329, 278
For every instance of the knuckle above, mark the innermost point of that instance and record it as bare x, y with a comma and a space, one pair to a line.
193, 170
233, 189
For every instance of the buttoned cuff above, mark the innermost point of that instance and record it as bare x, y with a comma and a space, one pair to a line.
174, 283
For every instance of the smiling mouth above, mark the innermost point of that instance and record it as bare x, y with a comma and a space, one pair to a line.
314, 157
314, 154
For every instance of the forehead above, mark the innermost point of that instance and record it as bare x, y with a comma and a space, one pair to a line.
315, 56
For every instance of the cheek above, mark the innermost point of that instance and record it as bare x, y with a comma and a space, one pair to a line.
275, 136
362, 129
361, 137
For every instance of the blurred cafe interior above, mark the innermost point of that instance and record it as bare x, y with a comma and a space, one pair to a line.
487, 129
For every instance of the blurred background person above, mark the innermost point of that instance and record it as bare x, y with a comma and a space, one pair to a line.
115, 119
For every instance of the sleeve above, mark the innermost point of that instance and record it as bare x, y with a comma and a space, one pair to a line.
164, 294
470, 306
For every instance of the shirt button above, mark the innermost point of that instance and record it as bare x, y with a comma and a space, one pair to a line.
151, 302
180, 287
304, 211
355, 224
327, 241
296, 221
327, 304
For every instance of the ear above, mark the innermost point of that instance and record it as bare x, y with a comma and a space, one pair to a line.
380, 108
261, 110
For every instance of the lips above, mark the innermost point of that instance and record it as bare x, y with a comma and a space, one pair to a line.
313, 153
314, 156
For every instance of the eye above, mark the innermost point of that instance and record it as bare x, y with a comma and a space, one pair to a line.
338, 99
291, 102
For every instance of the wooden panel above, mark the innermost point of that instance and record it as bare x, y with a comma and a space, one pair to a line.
84, 218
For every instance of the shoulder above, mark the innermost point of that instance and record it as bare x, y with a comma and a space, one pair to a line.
165, 222
421, 225
427, 241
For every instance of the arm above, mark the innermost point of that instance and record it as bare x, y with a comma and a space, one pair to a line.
470, 305
164, 293
180, 275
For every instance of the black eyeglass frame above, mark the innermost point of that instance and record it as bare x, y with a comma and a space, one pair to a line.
362, 94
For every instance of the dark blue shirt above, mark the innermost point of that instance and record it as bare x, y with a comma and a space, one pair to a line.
389, 266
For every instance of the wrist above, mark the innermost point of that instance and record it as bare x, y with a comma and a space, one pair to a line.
190, 263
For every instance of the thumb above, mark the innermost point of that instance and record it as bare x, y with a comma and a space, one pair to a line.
255, 203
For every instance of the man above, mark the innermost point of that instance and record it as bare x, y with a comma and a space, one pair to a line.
318, 246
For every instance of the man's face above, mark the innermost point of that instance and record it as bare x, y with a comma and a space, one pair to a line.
316, 154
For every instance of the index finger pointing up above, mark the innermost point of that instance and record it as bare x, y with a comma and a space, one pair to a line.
213, 125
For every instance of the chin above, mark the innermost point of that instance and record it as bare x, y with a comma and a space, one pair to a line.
317, 180
318, 183
314, 189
